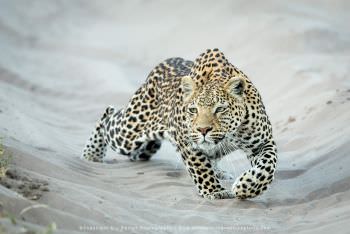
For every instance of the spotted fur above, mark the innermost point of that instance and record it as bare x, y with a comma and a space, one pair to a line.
207, 109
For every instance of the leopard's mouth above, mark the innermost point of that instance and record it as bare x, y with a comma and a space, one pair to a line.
208, 142
205, 141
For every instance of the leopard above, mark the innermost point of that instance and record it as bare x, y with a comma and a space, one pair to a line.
207, 108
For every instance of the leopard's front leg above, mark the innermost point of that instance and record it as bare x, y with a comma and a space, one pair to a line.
203, 175
255, 180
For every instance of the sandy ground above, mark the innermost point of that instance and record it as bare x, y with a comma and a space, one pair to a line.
63, 62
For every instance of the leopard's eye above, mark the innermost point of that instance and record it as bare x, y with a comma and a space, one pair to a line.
220, 109
192, 110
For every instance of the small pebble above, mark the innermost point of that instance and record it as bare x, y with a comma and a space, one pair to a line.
291, 119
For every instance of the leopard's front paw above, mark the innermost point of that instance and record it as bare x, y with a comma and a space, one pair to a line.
224, 194
247, 187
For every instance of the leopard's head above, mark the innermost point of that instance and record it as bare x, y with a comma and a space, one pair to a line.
214, 110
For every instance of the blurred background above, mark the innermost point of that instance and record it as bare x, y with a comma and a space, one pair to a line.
62, 62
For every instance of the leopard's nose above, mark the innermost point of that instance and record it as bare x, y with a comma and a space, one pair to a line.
204, 130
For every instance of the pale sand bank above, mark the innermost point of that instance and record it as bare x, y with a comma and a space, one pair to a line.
63, 62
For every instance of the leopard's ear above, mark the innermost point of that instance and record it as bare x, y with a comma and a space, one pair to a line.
187, 86
235, 86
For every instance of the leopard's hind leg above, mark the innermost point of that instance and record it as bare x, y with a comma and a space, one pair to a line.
147, 151
96, 147
111, 130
